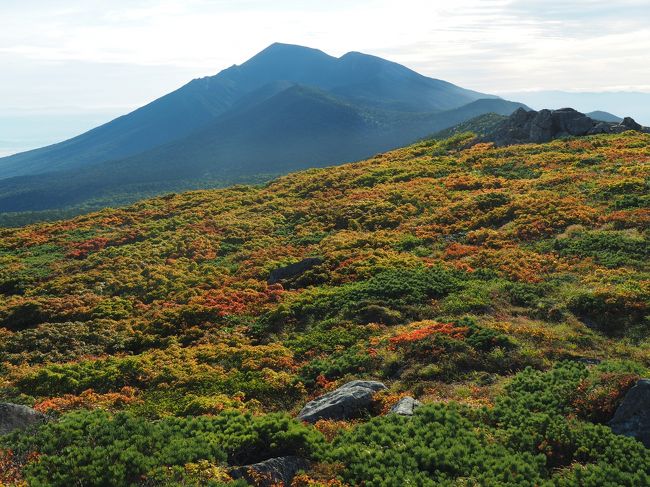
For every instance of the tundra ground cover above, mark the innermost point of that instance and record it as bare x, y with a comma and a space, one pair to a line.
471, 278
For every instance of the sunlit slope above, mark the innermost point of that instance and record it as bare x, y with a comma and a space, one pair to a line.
441, 271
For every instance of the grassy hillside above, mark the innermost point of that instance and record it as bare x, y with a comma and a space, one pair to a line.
485, 282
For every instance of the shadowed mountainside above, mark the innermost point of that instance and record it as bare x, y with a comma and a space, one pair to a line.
287, 108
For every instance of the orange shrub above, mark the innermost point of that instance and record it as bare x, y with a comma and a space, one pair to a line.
434, 328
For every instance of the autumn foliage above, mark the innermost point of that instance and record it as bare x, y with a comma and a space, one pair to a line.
443, 270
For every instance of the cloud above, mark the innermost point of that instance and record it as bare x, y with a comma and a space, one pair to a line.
489, 45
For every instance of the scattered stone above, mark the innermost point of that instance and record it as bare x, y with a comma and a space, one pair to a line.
293, 270
632, 418
272, 472
346, 402
405, 406
588, 360
16, 416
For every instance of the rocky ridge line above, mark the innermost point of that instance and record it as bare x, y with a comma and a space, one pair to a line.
524, 127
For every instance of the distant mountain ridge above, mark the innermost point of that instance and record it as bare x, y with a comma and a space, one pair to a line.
366, 79
287, 108
604, 116
632, 103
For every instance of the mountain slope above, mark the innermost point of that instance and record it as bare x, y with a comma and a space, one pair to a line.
504, 288
249, 144
369, 79
170, 117
287, 108
604, 116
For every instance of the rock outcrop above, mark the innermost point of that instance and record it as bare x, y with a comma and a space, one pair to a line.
630, 124
272, 472
632, 418
346, 402
405, 406
16, 416
525, 126
292, 271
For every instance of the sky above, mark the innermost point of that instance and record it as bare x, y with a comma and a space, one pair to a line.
67, 65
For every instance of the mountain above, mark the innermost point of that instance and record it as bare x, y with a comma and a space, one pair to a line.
635, 104
21, 131
604, 116
288, 107
252, 144
504, 289
367, 80
170, 117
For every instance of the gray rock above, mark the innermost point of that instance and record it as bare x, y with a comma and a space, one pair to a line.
16, 416
618, 129
293, 270
632, 418
631, 124
579, 125
601, 128
541, 127
272, 472
521, 116
571, 122
405, 406
523, 127
346, 402
588, 360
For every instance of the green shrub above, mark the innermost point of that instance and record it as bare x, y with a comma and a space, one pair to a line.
512, 170
613, 311
60, 342
94, 448
527, 439
351, 361
398, 290
611, 249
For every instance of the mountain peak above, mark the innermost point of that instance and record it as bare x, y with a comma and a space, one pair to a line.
276, 46
279, 51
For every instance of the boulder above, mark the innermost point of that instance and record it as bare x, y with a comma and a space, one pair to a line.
405, 406
346, 402
541, 127
293, 270
632, 418
16, 416
521, 117
571, 122
601, 128
631, 124
579, 125
272, 472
